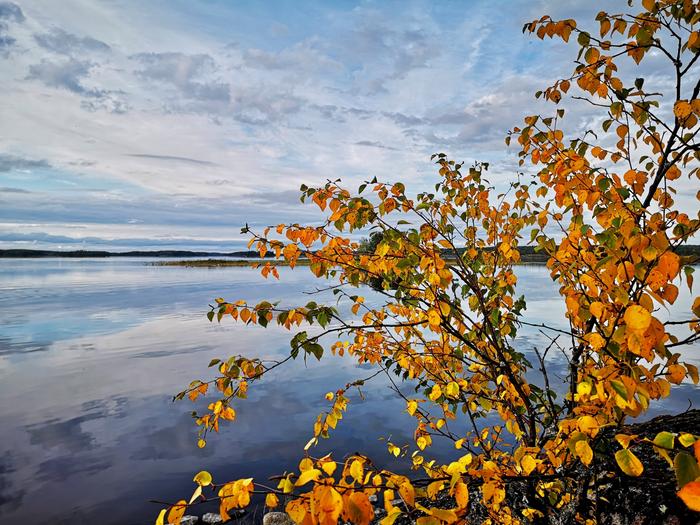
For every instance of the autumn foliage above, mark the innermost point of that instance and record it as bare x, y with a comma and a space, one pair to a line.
601, 206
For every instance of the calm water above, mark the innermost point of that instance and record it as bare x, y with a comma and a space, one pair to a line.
91, 352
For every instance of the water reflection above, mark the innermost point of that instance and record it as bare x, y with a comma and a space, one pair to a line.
91, 352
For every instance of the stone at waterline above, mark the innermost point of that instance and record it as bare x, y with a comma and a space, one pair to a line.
189, 520
211, 517
277, 518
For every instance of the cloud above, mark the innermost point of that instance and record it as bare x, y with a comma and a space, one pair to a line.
172, 158
64, 43
70, 74
258, 105
373, 144
192, 75
301, 58
13, 190
12, 163
11, 11
129, 242
67, 74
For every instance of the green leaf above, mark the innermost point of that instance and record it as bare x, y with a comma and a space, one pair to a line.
619, 387
686, 468
665, 440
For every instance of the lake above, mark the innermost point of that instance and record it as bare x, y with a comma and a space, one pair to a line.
92, 351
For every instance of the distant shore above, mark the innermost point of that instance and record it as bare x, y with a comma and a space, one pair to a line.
201, 259
19, 253
224, 263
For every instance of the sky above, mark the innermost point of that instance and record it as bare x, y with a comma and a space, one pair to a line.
170, 124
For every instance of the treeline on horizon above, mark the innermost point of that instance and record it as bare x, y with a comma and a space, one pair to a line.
528, 253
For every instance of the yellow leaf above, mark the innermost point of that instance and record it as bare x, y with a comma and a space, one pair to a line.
328, 467
382, 249
444, 515
595, 340
407, 493
296, 510
596, 309
624, 439
197, 492
308, 475
286, 485
528, 464
588, 425
310, 443
271, 500
359, 509
356, 470
690, 494
393, 449
391, 517
433, 318
201, 443
306, 464
326, 504
664, 441
411, 407
583, 389
584, 452
160, 520
629, 463
637, 318
202, 478
452, 389
686, 439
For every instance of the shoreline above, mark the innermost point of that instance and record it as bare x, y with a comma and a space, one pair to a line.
241, 263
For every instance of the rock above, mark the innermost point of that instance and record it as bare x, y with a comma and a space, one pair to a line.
372, 498
211, 517
277, 518
189, 520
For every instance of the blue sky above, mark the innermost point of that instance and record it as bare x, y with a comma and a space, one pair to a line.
170, 124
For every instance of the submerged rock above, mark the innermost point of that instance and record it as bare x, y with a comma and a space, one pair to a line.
211, 517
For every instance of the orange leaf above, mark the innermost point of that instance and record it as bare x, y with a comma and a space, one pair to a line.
359, 509
690, 494
176, 512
